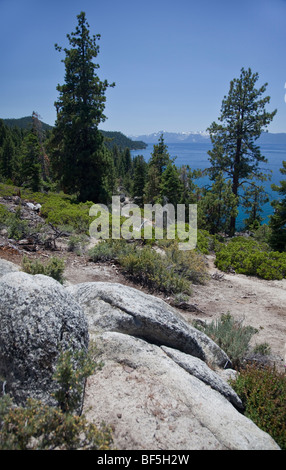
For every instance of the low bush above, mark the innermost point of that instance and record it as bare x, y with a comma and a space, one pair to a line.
207, 242
151, 269
61, 211
77, 243
250, 257
16, 227
54, 268
263, 393
107, 250
40, 427
170, 270
231, 336
3, 215
190, 264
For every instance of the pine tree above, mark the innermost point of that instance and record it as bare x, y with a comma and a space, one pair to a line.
152, 186
254, 197
160, 156
171, 187
278, 219
80, 160
243, 117
31, 158
7, 166
139, 178
156, 166
218, 206
38, 131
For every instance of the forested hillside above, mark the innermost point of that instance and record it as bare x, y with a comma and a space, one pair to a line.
112, 138
76, 157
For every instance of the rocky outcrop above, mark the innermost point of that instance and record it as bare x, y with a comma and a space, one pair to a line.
115, 307
38, 319
156, 388
161, 385
7, 267
153, 403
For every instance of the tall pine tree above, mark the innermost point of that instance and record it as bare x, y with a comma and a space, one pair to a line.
243, 118
278, 219
31, 160
156, 166
80, 160
217, 206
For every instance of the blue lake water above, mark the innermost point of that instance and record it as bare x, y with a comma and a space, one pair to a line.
195, 155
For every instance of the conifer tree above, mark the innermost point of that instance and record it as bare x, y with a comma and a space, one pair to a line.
160, 156
254, 196
7, 164
243, 117
156, 166
217, 206
278, 219
139, 178
80, 160
31, 158
171, 187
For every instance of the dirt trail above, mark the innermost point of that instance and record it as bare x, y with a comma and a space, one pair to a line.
259, 303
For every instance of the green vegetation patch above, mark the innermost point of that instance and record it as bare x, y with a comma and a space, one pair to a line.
231, 336
53, 268
37, 426
263, 393
248, 256
168, 270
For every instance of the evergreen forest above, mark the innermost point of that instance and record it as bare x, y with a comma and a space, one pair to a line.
76, 159
68, 168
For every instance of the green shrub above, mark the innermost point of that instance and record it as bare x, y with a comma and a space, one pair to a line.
231, 336
16, 227
61, 211
3, 215
171, 271
151, 269
40, 427
250, 257
189, 263
263, 393
107, 250
54, 268
71, 372
77, 243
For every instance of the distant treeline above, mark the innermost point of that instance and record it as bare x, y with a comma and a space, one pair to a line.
111, 137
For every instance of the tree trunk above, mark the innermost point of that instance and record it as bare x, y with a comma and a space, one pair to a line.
235, 183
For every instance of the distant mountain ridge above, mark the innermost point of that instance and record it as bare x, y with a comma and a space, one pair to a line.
24, 123
112, 137
137, 142
202, 137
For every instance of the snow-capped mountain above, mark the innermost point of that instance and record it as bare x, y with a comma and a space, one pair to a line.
173, 137
202, 137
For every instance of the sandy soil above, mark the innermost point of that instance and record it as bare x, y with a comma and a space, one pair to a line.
256, 302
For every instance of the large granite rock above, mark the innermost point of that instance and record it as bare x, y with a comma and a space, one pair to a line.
152, 403
38, 318
156, 388
7, 267
115, 307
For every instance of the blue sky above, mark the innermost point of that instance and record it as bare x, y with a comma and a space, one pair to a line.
172, 61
